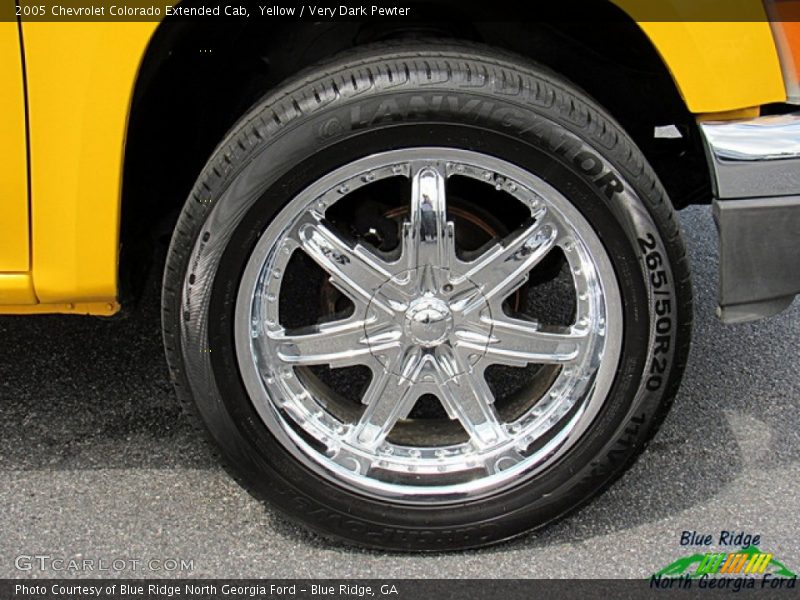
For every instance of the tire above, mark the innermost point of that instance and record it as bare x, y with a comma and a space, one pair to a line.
458, 238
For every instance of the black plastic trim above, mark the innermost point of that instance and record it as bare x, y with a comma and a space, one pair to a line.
759, 256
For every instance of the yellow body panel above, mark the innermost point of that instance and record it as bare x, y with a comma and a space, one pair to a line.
717, 66
720, 67
98, 309
80, 81
16, 289
81, 77
14, 247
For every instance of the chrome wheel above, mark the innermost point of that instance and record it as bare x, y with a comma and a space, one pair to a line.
427, 319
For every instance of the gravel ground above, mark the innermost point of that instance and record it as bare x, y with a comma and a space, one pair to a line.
96, 462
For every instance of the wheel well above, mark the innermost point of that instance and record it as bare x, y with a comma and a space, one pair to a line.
197, 79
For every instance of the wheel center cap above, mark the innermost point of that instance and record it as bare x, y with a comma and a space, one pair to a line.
426, 317
428, 321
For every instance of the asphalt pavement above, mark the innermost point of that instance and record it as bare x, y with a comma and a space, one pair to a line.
98, 465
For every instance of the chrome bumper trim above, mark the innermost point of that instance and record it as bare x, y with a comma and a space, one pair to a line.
754, 158
755, 171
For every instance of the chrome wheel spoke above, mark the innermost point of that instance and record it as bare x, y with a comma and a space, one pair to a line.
428, 239
515, 342
505, 267
338, 344
466, 396
352, 268
469, 400
389, 398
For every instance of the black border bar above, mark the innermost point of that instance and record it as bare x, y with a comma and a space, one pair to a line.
388, 589
594, 11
